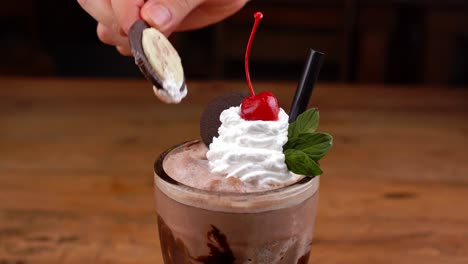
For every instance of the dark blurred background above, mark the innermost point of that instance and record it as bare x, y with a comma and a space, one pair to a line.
374, 41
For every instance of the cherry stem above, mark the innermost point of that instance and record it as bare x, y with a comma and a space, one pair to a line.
257, 16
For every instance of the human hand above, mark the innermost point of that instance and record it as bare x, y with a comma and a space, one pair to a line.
115, 17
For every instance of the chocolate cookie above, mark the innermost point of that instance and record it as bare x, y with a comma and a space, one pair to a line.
158, 61
209, 122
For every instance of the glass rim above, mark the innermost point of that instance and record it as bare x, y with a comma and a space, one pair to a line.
161, 173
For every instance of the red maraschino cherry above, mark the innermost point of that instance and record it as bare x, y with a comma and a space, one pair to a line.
263, 106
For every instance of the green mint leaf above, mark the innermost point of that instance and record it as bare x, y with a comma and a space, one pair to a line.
315, 145
306, 122
300, 163
305, 146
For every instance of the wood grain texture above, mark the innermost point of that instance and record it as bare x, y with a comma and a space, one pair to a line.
76, 170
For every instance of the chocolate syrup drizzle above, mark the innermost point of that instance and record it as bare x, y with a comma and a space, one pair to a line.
304, 259
220, 252
175, 252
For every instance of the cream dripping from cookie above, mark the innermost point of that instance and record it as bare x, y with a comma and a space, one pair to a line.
158, 61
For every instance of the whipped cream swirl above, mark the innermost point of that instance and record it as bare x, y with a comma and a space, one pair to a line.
251, 151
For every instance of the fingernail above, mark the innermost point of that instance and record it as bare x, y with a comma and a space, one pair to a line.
160, 15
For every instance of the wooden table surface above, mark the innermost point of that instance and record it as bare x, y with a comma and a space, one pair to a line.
76, 175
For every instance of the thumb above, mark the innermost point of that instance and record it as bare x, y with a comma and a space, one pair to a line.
166, 15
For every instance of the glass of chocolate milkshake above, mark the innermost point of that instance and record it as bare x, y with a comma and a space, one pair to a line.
206, 219
248, 191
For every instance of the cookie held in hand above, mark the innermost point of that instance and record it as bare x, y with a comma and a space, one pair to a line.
158, 61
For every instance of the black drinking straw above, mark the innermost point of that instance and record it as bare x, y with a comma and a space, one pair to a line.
306, 84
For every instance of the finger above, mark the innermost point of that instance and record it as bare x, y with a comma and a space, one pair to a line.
124, 50
210, 13
100, 10
110, 37
126, 12
166, 15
